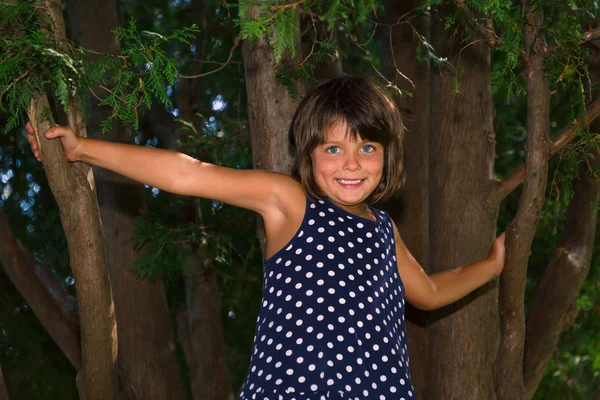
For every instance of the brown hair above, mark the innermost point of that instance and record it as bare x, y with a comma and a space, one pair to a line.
367, 112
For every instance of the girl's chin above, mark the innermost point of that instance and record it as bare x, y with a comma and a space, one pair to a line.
348, 199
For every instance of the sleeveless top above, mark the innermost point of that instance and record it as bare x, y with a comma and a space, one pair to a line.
331, 324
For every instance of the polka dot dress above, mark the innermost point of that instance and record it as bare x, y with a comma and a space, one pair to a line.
331, 325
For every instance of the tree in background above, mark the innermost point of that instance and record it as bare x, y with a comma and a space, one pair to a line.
466, 75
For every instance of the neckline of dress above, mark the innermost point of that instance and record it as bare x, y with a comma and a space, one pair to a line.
354, 216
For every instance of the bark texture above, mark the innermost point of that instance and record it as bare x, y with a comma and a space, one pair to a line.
410, 210
211, 375
148, 363
270, 106
562, 281
55, 309
70, 185
201, 331
521, 230
463, 337
3, 390
81, 222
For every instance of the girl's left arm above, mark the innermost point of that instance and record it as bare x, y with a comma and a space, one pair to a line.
443, 288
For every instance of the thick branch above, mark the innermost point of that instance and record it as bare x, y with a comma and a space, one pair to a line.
510, 183
3, 390
562, 281
521, 230
55, 309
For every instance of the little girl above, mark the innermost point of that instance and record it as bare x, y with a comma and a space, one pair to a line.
336, 273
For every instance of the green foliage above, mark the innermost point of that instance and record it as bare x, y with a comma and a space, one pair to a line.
32, 64
279, 23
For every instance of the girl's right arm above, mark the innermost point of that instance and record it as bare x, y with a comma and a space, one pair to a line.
265, 192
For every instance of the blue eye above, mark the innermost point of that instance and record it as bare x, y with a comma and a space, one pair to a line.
332, 149
368, 148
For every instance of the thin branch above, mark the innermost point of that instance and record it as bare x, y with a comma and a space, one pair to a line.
492, 39
236, 43
394, 61
110, 91
291, 5
15, 81
510, 183
312, 49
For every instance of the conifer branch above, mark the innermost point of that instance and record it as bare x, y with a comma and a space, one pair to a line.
488, 34
516, 177
236, 43
587, 36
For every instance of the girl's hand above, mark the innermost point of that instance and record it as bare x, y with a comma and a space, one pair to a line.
498, 254
70, 142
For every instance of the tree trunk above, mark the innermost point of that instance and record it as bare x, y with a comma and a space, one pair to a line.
55, 309
71, 185
463, 337
270, 106
202, 331
521, 230
211, 375
148, 363
3, 390
81, 222
568, 268
410, 210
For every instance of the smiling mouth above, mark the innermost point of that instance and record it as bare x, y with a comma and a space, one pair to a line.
350, 181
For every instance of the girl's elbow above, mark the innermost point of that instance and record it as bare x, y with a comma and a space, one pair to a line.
429, 300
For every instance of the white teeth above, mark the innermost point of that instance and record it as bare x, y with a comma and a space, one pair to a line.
346, 182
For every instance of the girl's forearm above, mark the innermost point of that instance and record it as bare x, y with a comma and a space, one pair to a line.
154, 167
454, 284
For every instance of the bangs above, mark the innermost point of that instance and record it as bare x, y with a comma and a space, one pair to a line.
355, 130
340, 107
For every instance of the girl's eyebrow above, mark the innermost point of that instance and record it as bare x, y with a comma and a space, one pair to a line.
361, 141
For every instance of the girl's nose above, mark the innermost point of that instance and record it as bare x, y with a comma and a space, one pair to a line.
351, 163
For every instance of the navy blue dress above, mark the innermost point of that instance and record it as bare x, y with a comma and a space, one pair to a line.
331, 324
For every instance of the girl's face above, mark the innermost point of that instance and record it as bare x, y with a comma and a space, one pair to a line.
347, 171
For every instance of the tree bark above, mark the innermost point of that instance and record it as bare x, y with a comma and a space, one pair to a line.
270, 108
148, 363
3, 390
55, 309
211, 375
202, 332
521, 230
463, 337
71, 185
567, 270
81, 222
410, 210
